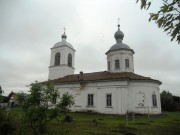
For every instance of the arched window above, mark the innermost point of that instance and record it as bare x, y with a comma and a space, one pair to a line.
70, 60
57, 59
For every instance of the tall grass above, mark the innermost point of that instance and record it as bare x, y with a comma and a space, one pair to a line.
168, 123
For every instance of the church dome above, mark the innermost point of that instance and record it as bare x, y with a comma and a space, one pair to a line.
119, 46
119, 35
63, 42
64, 36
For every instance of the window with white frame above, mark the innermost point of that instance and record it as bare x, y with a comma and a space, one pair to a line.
108, 100
90, 100
154, 100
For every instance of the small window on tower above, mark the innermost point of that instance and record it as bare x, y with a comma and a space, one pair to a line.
70, 60
127, 63
57, 59
117, 65
108, 65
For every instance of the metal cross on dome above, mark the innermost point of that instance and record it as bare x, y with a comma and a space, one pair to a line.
64, 30
118, 23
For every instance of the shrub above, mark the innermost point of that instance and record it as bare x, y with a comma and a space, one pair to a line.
6, 124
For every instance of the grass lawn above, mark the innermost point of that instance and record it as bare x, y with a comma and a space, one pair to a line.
168, 123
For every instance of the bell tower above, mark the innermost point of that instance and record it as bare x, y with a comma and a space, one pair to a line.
62, 59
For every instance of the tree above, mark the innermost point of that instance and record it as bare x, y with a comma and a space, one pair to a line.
7, 125
32, 108
177, 101
21, 97
167, 18
167, 102
38, 111
1, 92
63, 107
65, 103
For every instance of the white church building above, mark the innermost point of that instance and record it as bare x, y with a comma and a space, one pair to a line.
115, 91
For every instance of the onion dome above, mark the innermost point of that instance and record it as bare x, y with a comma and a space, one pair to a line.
119, 35
63, 42
64, 36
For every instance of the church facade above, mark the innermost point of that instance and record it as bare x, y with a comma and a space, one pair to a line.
115, 91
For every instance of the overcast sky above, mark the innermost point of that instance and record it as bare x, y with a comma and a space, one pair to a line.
29, 28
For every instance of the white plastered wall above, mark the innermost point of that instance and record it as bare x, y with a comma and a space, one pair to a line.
123, 96
120, 55
99, 89
144, 91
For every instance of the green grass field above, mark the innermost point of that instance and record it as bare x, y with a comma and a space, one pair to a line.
168, 123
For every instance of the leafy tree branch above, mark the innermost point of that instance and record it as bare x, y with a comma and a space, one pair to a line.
167, 18
38, 106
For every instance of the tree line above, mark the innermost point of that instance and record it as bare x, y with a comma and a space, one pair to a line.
169, 102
